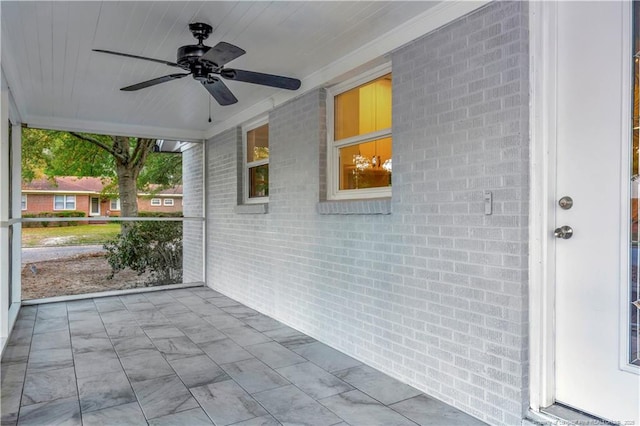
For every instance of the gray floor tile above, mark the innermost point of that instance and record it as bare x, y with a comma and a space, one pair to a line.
227, 403
289, 405
163, 396
193, 417
50, 359
289, 338
54, 340
130, 346
357, 409
97, 363
377, 385
81, 305
51, 324
203, 333
141, 306
245, 335
428, 411
223, 301
206, 292
225, 351
146, 366
20, 336
117, 317
15, 354
51, 310
326, 357
177, 347
274, 354
106, 390
313, 380
12, 384
254, 376
65, 411
121, 415
150, 318
187, 319
88, 315
49, 385
267, 420
240, 311
162, 331
198, 371
105, 305
173, 309
262, 323
90, 343
83, 328
223, 320
123, 330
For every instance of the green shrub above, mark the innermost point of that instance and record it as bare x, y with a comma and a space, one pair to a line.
154, 247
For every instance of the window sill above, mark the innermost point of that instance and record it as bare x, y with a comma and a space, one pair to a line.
359, 207
251, 209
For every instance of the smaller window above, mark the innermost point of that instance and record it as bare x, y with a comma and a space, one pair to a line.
256, 162
168, 201
64, 202
114, 204
24, 202
156, 202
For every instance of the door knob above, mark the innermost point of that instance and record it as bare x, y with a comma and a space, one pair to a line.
565, 232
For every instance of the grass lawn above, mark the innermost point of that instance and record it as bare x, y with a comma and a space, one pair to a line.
69, 235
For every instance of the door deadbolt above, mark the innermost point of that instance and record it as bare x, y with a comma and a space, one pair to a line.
565, 232
565, 202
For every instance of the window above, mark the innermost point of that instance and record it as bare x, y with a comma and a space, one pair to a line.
156, 202
114, 204
256, 162
24, 202
359, 132
64, 202
168, 201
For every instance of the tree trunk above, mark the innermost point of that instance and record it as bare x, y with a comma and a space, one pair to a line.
127, 189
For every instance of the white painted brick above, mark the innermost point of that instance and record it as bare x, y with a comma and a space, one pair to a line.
432, 292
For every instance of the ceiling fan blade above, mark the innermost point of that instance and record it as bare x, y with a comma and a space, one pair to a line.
222, 53
261, 78
220, 92
160, 61
153, 82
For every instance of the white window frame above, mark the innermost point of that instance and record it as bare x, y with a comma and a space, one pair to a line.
246, 165
65, 202
23, 202
333, 147
168, 202
117, 207
156, 202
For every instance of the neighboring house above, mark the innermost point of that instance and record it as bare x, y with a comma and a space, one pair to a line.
67, 193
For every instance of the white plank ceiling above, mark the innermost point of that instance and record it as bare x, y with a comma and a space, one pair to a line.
58, 82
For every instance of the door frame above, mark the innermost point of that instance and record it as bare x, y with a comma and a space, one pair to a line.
91, 212
543, 56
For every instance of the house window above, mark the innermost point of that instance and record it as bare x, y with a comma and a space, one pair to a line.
359, 132
64, 202
168, 201
156, 202
114, 204
23, 203
256, 162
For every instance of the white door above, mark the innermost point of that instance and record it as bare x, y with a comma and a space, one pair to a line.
593, 135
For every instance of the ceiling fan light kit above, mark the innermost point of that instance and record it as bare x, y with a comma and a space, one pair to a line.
206, 63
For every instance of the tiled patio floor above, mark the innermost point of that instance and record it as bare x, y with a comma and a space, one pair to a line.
191, 357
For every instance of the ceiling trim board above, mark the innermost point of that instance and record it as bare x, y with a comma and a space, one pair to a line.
105, 128
372, 53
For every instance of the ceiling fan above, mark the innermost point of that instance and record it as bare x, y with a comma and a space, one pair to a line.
206, 63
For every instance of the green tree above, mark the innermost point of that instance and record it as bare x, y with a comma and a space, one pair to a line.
129, 163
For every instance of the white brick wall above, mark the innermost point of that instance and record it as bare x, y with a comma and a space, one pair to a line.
193, 200
434, 293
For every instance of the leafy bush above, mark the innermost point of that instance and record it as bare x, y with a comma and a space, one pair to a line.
154, 247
